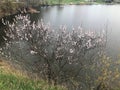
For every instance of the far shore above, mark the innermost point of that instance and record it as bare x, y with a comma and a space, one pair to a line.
34, 10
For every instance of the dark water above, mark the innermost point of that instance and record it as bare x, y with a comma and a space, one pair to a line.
90, 17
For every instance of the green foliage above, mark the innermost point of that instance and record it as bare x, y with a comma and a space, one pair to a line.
73, 1
13, 82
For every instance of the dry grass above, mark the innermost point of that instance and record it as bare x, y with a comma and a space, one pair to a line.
7, 67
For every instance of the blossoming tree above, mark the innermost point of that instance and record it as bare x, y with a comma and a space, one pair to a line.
64, 55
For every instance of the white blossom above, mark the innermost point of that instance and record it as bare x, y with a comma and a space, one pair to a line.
71, 50
33, 52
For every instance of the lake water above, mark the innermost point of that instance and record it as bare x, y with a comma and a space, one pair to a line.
90, 17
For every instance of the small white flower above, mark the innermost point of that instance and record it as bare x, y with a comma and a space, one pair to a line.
5, 38
59, 48
33, 52
0, 48
71, 50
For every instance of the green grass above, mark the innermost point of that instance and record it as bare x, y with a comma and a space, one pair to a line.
14, 82
51, 2
73, 1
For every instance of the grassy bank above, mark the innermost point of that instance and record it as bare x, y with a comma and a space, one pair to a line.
12, 81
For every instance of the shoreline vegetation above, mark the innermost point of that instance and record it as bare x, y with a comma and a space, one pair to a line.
10, 8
